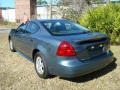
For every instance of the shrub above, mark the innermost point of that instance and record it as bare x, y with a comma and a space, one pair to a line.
105, 19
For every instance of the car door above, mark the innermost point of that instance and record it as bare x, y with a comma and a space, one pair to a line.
28, 38
18, 36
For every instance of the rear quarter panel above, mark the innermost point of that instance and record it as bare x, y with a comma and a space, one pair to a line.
47, 46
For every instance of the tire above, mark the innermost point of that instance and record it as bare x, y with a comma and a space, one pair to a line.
11, 46
40, 66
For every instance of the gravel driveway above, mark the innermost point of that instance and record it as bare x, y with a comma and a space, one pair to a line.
17, 73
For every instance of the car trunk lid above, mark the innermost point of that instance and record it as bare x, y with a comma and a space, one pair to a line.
87, 45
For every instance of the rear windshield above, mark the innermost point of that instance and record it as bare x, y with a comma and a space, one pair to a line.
63, 27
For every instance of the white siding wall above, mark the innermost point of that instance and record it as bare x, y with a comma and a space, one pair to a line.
42, 13
9, 15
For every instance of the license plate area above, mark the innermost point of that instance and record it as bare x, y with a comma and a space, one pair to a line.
95, 50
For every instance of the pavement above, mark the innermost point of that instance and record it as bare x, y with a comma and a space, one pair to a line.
4, 30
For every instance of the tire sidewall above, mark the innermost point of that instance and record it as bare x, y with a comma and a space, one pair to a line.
12, 49
45, 73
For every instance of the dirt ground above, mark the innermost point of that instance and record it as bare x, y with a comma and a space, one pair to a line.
17, 73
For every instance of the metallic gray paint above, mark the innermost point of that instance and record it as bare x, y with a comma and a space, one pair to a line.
48, 44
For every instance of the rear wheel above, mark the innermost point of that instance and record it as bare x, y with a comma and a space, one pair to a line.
40, 66
11, 45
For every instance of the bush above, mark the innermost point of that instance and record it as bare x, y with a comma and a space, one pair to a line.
105, 19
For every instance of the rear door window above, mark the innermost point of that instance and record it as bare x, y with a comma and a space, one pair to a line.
32, 27
22, 27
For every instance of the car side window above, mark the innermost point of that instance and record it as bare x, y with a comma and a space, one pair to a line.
32, 27
22, 27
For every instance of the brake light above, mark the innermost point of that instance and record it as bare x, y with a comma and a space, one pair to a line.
66, 49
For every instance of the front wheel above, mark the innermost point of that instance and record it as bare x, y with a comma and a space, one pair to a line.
40, 66
11, 45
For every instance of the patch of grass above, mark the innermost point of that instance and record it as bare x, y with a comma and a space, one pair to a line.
7, 25
17, 73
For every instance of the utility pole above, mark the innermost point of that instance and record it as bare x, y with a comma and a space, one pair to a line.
51, 9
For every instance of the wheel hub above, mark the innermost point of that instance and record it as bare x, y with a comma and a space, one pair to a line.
39, 65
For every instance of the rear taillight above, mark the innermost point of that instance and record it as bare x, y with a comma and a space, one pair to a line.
65, 49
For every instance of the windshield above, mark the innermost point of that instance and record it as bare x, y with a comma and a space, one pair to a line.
63, 27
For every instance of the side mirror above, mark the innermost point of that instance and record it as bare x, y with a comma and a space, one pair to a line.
22, 31
28, 32
13, 30
25, 31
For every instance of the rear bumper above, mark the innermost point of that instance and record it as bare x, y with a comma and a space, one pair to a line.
74, 68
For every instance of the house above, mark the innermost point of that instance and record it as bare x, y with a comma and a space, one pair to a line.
43, 12
7, 14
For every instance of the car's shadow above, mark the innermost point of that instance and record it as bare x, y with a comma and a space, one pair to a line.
93, 75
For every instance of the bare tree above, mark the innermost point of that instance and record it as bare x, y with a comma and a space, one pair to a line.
77, 5
64, 2
107, 1
72, 9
